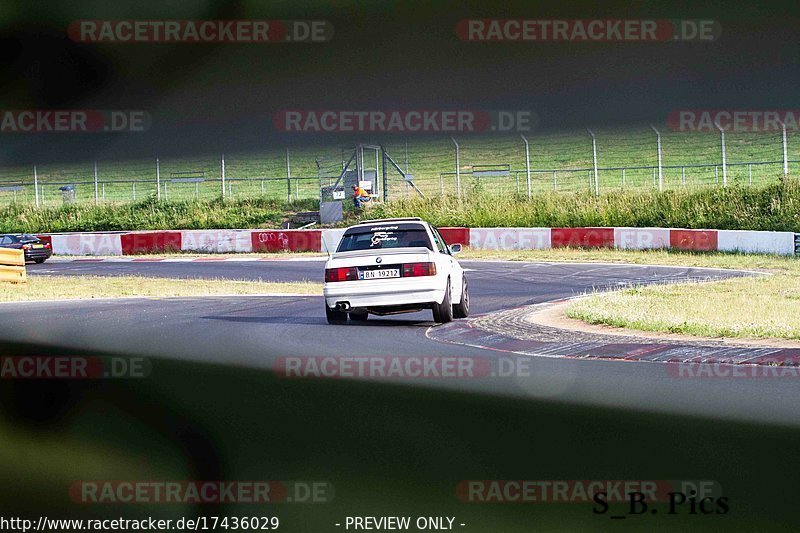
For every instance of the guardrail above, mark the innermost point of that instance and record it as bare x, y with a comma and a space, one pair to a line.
12, 266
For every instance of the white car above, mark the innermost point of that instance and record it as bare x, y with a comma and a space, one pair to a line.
391, 266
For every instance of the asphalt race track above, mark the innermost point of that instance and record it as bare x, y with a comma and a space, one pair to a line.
253, 331
493, 285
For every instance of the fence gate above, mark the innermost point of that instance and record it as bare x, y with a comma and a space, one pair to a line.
368, 166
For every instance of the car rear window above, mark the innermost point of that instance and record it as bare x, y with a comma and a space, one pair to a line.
381, 238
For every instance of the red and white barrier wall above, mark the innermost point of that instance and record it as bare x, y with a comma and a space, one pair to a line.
316, 240
772, 242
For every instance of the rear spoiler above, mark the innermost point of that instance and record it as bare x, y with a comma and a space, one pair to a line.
365, 253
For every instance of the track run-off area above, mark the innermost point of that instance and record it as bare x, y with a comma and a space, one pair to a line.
261, 331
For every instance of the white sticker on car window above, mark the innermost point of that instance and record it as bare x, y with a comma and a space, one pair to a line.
379, 237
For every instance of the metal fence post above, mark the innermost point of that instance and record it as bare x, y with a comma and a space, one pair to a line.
35, 186
658, 144
749, 174
458, 169
385, 176
96, 193
555, 182
158, 179
288, 178
359, 164
222, 173
527, 164
683, 176
103, 185
134, 191
724, 165
785, 151
377, 167
594, 158
623, 178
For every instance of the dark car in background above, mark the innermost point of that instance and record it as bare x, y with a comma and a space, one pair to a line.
35, 248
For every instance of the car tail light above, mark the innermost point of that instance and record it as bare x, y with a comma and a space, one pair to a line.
341, 274
419, 269
26, 246
47, 245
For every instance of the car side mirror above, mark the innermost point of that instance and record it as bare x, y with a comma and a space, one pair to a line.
455, 248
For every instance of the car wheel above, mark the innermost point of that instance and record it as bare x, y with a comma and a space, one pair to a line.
443, 312
39, 261
360, 316
461, 310
334, 316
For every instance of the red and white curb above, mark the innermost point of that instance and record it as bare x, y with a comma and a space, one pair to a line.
610, 348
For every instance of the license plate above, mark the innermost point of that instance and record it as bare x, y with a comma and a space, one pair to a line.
377, 274
38, 245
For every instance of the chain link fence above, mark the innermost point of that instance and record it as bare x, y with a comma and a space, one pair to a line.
498, 164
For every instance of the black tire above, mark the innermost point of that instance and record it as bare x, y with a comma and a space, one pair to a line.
443, 312
461, 310
38, 261
334, 316
359, 316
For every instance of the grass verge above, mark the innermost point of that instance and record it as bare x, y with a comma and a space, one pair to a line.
199, 255
774, 207
737, 261
73, 287
152, 214
761, 307
757, 307
770, 208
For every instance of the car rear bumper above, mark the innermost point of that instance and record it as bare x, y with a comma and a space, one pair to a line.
384, 293
43, 253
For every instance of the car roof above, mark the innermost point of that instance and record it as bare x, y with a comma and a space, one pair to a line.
19, 236
384, 220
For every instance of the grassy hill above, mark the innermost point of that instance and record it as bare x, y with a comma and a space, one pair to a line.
771, 207
559, 160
